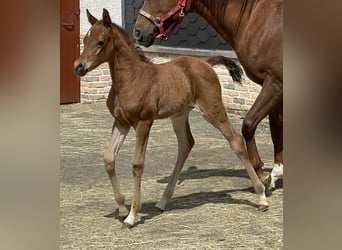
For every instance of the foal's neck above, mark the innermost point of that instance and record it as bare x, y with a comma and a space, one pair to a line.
125, 60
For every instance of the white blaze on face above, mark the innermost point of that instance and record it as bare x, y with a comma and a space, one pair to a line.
88, 33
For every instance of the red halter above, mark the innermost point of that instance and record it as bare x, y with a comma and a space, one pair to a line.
159, 21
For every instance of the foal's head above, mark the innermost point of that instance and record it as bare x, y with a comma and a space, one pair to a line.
98, 44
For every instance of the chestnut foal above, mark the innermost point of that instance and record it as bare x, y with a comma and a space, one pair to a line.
142, 92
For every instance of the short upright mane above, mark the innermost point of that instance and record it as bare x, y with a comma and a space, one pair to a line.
130, 42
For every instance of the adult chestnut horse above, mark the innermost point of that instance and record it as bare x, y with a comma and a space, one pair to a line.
254, 30
142, 92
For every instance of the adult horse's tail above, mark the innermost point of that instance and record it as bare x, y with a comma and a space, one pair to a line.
235, 70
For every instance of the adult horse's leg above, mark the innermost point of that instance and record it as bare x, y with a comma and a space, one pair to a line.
276, 125
119, 133
269, 96
185, 143
142, 130
215, 113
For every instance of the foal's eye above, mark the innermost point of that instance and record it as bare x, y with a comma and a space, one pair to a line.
100, 43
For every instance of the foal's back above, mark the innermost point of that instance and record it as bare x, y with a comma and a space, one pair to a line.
178, 84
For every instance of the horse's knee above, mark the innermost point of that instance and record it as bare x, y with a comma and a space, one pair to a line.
109, 163
238, 146
138, 169
248, 128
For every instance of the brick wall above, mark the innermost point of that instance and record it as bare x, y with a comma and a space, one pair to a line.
236, 97
96, 84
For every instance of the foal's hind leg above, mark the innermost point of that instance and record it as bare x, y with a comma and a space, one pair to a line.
214, 112
185, 143
119, 133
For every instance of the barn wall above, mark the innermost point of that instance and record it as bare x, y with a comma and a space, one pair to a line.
95, 7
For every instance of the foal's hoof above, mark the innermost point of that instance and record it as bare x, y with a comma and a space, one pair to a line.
131, 221
126, 225
123, 212
263, 208
267, 183
161, 205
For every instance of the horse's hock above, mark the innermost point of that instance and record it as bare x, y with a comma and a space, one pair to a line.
237, 97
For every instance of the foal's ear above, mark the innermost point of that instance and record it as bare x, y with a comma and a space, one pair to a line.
91, 18
107, 22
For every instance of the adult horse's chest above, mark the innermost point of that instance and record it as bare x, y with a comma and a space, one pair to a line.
252, 66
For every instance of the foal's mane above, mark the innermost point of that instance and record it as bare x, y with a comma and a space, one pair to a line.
129, 41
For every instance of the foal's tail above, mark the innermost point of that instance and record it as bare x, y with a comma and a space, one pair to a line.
235, 70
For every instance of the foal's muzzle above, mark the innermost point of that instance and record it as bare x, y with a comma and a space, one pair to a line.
80, 68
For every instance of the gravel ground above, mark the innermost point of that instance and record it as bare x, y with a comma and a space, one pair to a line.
213, 205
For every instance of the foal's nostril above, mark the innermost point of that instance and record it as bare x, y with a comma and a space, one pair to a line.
80, 69
137, 34
80, 66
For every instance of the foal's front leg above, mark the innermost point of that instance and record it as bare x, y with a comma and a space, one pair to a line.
142, 130
119, 133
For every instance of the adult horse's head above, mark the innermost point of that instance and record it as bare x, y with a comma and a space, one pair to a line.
97, 44
158, 19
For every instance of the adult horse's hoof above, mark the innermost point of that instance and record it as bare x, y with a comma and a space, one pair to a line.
276, 174
267, 183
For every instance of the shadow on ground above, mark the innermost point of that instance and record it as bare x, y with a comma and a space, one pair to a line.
197, 199
188, 202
